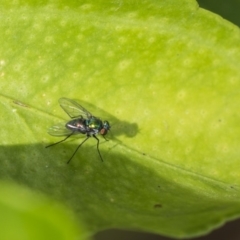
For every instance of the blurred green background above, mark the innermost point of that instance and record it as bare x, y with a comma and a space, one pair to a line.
229, 10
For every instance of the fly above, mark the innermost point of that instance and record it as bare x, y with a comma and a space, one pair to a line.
82, 122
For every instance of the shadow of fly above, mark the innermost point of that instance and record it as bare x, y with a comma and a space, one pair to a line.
82, 122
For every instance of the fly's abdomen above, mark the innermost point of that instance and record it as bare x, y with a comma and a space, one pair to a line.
77, 125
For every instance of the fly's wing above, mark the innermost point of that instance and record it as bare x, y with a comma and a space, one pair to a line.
59, 130
73, 109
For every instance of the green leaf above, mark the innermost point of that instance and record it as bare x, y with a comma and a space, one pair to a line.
28, 215
165, 74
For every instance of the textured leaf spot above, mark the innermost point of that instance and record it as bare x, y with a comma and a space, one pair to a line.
110, 54
79, 37
138, 74
17, 67
222, 147
45, 79
124, 64
86, 7
63, 23
72, 59
179, 132
181, 121
146, 112
48, 39
122, 40
216, 62
215, 125
188, 149
75, 75
118, 28
159, 63
151, 40
181, 95
157, 132
132, 15
233, 80
24, 17
40, 62
187, 62
37, 26
203, 113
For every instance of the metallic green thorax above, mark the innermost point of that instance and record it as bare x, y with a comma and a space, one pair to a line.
94, 123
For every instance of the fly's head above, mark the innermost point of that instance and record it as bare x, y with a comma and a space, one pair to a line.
106, 127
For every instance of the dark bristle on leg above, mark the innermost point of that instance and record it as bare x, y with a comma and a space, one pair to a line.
98, 147
78, 148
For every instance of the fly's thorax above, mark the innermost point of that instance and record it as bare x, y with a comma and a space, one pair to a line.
94, 123
78, 125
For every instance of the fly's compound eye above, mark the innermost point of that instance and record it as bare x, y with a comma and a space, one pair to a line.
103, 131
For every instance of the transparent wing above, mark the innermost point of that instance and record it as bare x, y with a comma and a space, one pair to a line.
59, 130
73, 109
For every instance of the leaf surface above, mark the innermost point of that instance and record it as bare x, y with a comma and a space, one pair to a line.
165, 74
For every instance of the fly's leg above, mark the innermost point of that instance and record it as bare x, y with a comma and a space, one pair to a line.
60, 141
105, 138
98, 146
78, 148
